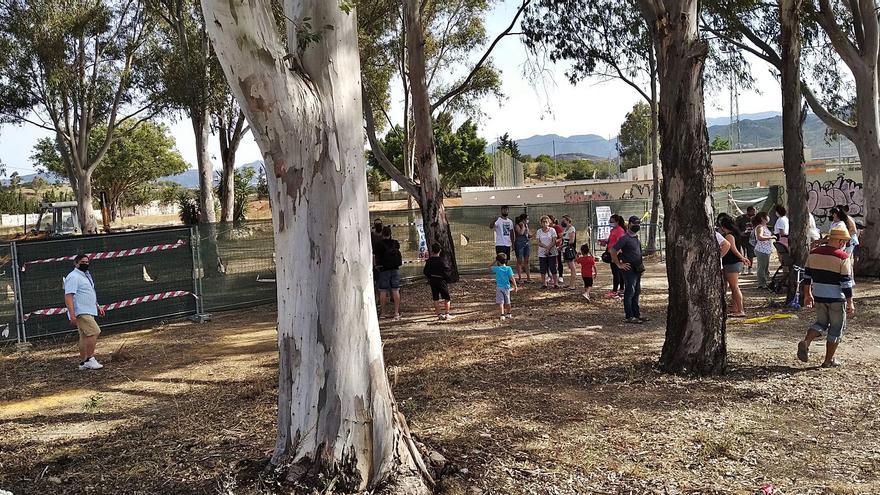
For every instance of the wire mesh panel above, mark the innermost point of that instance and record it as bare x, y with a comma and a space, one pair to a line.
8, 330
142, 276
237, 264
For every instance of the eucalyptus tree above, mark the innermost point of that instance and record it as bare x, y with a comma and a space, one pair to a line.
72, 68
426, 42
300, 92
695, 322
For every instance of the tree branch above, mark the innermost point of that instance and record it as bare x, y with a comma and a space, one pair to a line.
832, 121
411, 187
842, 44
464, 85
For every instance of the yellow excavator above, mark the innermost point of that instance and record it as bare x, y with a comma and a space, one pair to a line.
59, 219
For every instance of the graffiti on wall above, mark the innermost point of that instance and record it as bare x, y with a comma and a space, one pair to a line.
580, 195
638, 191
821, 197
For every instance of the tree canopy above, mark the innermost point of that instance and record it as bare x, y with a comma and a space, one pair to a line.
634, 141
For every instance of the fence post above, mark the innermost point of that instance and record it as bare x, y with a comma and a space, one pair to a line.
195, 243
16, 295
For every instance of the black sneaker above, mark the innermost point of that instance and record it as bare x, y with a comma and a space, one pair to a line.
634, 320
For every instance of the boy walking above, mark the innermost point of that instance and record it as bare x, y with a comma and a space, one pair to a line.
828, 286
503, 280
438, 273
588, 269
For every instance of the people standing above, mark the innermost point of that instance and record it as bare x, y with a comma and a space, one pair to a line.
781, 227
438, 273
732, 263
588, 269
840, 219
744, 245
627, 255
522, 247
503, 228
82, 308
504, 279
568, 252
617, 231
389, 260
828, 286
547, 251
763, 248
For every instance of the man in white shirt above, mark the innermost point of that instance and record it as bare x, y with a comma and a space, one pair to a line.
780, 228
503, 228
82, 308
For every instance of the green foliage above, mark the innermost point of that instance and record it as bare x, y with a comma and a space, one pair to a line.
242, 190
461, 156
374, 180
188, 204
509, 145
634, 141
720, 144
137, 157
262, 184
57, 195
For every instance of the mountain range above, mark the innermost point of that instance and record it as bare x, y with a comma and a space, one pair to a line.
188, 179
759, 130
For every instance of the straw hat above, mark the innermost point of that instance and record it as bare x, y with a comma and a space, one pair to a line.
839, 233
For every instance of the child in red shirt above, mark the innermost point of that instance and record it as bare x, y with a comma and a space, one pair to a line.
588, 269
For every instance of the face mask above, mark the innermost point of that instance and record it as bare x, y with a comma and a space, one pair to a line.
83, 266
613, 224
634, 228
564, 225
504, 215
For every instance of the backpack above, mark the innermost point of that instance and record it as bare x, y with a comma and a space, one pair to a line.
391, 258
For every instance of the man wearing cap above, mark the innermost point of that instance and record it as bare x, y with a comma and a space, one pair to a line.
828, 286
82, 308
626, 254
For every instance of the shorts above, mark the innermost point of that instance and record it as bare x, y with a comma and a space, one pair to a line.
547, 263
503, 249
439, 290
87, 326
523, 249
733, 267
389, 280
588, 281
502, 296
830, 320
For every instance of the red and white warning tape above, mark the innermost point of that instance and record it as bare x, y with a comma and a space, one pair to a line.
113, 254
116, 305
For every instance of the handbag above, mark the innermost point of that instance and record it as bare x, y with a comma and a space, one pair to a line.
569, 254
606, 257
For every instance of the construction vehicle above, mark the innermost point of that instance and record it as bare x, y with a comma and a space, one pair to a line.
59, 219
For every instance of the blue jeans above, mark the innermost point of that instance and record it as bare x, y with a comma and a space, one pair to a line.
633, 288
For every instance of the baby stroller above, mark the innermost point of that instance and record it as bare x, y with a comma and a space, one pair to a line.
780, 280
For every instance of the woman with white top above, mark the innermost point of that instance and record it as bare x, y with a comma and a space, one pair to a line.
841, 219
781, 227
763, 247
547, 252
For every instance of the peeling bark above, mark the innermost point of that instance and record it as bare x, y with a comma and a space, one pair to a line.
695, 323
336, 413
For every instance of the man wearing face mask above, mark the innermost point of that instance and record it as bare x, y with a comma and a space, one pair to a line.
503, 227
627, 255
82, 308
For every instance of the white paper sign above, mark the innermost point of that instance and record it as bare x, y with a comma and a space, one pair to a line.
603, 221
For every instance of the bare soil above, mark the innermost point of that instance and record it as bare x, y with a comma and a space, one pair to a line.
563, 399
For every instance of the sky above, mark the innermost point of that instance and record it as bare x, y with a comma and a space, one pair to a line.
556, 107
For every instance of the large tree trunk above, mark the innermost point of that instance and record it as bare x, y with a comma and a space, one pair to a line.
227, 189
431, 201
336, 415
83, 193
695, 322
793, 135
868, 146
201, 130
655, 157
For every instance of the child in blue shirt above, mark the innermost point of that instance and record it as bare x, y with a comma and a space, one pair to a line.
503, 280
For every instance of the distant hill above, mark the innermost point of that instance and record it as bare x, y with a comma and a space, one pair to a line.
584, 144
767, 133
763, 132
190, 178
745, 116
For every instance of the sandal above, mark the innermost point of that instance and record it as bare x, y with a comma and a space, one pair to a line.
831, 364
803, 352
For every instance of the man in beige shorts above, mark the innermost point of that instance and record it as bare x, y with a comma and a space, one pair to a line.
82, 308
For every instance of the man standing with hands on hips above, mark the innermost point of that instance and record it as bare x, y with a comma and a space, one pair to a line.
82, 308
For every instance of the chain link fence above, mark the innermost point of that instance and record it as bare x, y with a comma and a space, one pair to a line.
191, 271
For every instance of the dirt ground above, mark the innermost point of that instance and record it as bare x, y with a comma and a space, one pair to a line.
562, 399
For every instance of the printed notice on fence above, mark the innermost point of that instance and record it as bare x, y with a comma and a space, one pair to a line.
603, 219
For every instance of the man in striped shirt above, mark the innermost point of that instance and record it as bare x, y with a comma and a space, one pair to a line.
828, 287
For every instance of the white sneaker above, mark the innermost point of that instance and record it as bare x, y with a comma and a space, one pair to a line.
92, 364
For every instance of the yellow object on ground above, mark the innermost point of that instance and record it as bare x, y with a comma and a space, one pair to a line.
762, 319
